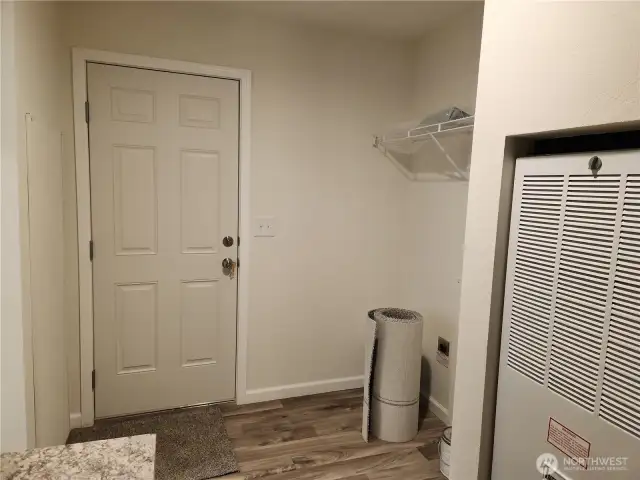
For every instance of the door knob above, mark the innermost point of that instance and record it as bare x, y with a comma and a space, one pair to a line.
229, 268
228, 264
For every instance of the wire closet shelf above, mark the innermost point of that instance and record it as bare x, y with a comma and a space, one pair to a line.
407, 141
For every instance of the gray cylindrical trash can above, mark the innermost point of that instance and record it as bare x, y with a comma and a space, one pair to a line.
395, 391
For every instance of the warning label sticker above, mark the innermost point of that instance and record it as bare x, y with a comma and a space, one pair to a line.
568, 442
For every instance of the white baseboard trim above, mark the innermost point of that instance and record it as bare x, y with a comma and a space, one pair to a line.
439, 410
300, 389
75, 420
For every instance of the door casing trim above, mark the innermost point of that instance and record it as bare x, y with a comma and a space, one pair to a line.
80, 57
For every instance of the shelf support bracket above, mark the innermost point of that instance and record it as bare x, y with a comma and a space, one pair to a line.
460, 172
398, 165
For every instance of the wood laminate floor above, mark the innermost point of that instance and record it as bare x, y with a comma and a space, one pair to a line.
318, 438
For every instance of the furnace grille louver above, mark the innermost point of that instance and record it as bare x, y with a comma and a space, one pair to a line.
540, 209
582, 287
620, 401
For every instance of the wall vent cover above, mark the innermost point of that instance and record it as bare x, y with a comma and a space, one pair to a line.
572, 303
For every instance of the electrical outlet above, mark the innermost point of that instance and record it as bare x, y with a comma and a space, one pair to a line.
443, 346
442, 356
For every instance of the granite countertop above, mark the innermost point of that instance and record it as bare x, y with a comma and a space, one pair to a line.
118, 458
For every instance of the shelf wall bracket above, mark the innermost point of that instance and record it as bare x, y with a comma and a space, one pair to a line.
377, 144
459, 171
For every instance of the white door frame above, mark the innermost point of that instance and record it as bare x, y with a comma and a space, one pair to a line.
80, 59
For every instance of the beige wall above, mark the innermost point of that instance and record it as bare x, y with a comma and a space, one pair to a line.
544, 66
446, 75
447, 63
37, 76
318, 97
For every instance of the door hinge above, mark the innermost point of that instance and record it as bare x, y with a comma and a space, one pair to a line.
93, 379
86, 111
91, 250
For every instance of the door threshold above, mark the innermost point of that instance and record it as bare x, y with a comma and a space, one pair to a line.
166, 410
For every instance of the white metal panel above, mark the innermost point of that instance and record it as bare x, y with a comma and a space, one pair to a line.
572, 298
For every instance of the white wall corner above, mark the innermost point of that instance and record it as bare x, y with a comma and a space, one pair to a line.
75, 420
301, 389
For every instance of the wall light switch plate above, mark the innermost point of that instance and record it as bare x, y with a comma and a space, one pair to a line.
264, 227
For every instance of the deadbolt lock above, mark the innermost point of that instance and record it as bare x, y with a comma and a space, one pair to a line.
227, 241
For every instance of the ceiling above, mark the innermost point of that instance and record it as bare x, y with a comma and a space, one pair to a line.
404, 20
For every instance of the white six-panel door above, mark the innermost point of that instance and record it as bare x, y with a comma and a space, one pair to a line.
164, 193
